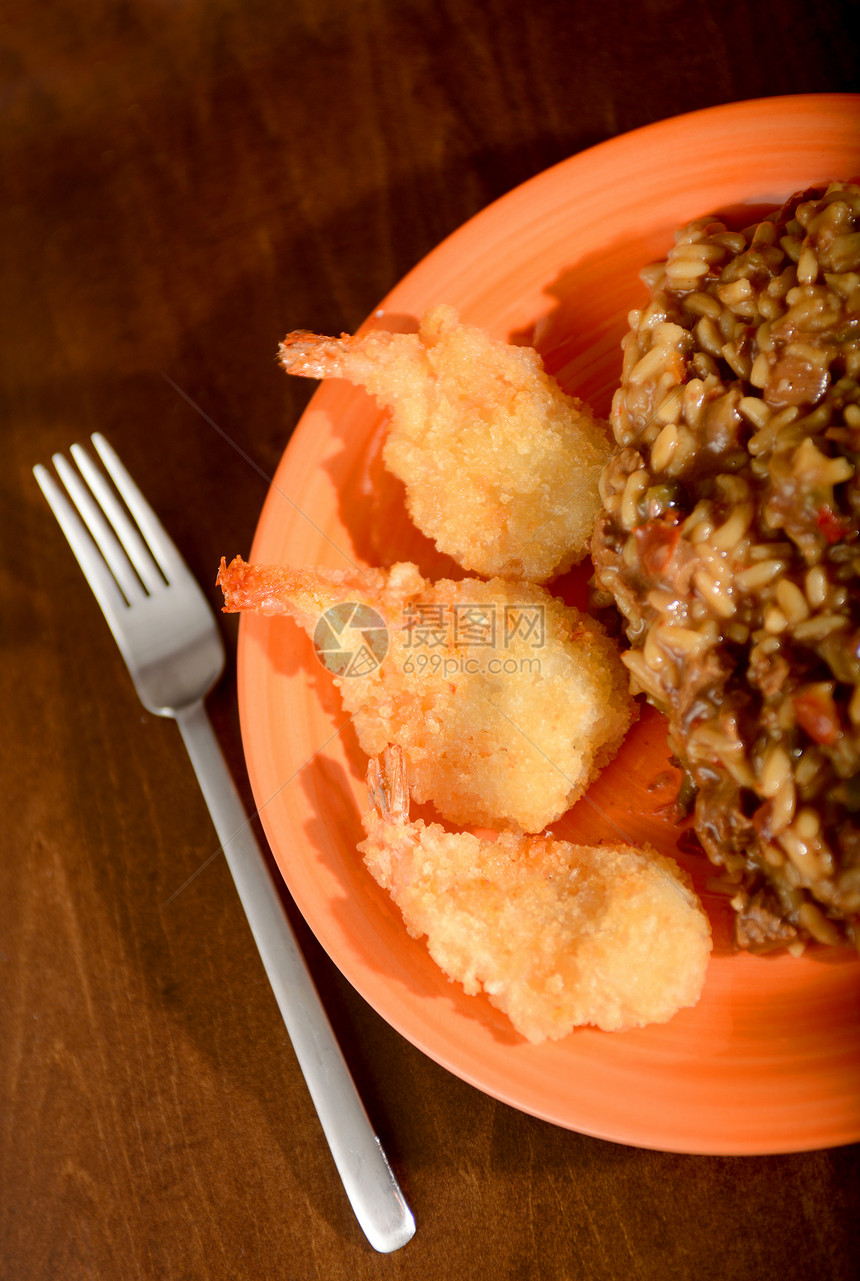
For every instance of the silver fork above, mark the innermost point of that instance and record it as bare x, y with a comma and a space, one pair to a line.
167, 634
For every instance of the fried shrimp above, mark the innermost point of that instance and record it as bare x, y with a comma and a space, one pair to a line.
500, 465
505, 701
557, 935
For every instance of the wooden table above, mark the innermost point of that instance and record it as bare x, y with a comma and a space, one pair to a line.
182, 183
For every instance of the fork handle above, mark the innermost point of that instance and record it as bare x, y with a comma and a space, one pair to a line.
368, 1179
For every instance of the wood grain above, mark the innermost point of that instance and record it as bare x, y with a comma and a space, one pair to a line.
183, 182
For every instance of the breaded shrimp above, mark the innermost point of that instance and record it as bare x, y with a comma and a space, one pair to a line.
506, 702
557, 935
500, 465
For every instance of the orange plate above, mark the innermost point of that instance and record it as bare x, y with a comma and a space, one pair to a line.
769, 1059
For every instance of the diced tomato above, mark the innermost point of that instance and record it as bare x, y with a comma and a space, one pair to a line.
832, 526
656, 542
816, 712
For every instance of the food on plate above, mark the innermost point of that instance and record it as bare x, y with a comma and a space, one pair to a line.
500, 465
729, 540
505, 701
557, 935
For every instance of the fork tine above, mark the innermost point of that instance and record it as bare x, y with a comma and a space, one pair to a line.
101, 581
160, 544
131, 541
102, 534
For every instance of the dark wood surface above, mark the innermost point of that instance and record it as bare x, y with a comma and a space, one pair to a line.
182, 182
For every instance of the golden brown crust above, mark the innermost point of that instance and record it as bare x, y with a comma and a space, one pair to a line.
557, 935
503, 725
500, 465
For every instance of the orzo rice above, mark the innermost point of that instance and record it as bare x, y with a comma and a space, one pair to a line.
729, 541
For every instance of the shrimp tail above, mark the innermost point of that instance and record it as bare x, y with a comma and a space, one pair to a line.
387, 785
389, 366
302, 594
314, 355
